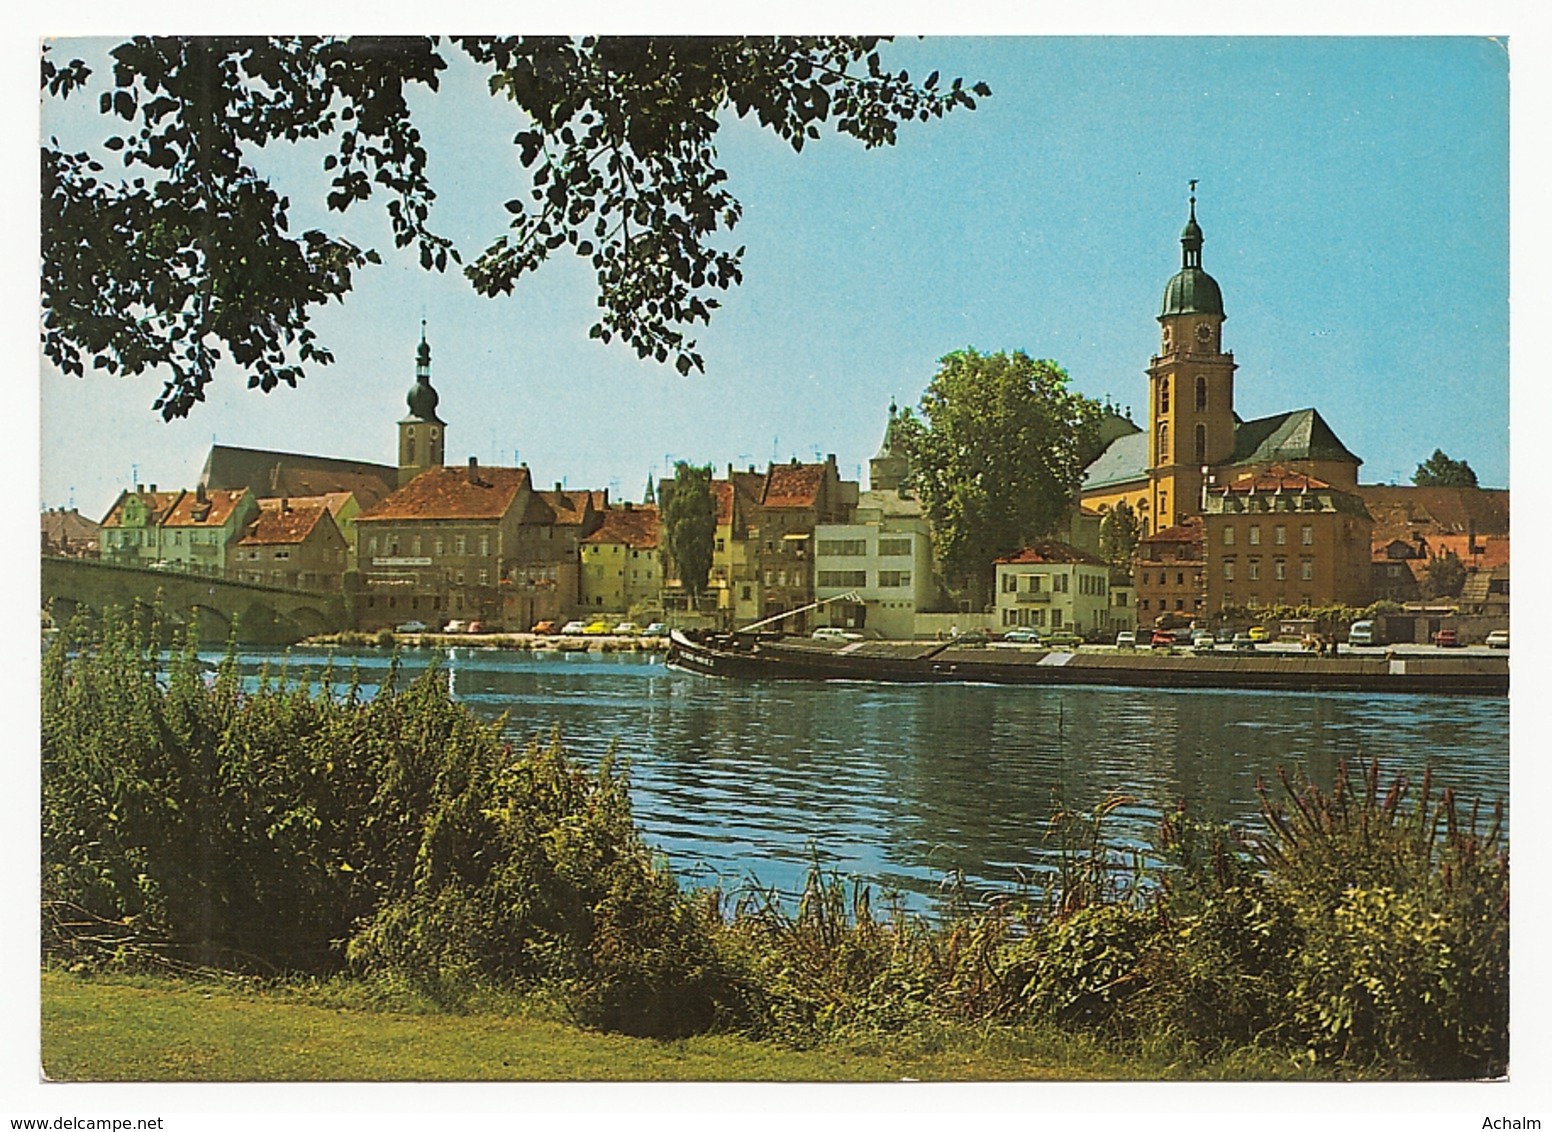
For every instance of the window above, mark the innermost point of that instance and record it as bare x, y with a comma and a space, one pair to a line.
1255, 534
720, 546
484, 577
1228, 571
1056, 618
842, 547
1201, 393
460, 544
484, 546
1280, 569
894, 578
1306, 570
1255, 569
833, 579
1059, 583
372, 545
441, 546
1307, 535
459, 577
415, 545
894, 548
1163, 453
282, 554
1009, 583
1280, 536
1228, 536
1180, 578
1201, 443
1164, 395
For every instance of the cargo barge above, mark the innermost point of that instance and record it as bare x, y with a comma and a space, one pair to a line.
773, 656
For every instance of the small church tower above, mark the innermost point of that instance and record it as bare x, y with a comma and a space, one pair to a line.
1190, 387
888, 469
422, 435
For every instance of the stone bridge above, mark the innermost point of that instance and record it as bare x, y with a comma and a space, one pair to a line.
265, 615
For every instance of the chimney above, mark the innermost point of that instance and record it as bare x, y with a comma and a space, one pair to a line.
474, 469
557, 487
199, 492
153, 488
285, 505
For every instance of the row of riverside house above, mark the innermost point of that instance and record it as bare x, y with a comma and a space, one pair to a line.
1233, 514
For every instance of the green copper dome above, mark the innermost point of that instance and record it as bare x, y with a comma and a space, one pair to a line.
1192, 290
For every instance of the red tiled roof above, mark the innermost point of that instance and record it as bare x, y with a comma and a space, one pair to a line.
1494, 551
212, 511
452, 493
1273, 479
722, 501
636, 528
1051, 551
793, 485
334, 501
1401, 511
571, 508
1189, 530
276, 527
159, 503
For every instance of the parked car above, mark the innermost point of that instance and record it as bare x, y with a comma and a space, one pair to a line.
656, 629
1202, 641
1446, 639
573, 628
1022, 636
627, 629
595, 628
1162, 638
1243, 642
835, 633
1258, 634
1064, 639
544, 628
1361, 633
456, 626
1126, 639
1498, 639
1224, 636
411, 627
475, 627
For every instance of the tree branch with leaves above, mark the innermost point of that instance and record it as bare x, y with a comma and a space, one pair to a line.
187, 257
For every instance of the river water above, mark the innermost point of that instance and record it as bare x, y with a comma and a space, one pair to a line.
903, 786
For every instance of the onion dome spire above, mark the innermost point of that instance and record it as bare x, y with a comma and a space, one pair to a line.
1192, 290
422, 398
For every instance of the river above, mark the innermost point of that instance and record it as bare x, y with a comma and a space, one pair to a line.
902, 786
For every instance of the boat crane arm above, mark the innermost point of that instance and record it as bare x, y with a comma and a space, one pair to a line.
850, 595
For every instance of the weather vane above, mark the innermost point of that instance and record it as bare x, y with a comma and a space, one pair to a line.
1193, 185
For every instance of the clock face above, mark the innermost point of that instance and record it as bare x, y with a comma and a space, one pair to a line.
1204, 334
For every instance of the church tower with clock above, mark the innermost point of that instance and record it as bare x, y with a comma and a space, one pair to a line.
422, 434
1190, 388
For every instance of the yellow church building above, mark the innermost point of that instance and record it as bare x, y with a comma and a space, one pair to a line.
1194, 444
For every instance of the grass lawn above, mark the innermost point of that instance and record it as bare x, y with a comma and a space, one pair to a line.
104, 1029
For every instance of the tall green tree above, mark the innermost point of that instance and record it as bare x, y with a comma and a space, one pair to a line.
1118, 535
1444, 575
690, 526
1440, 470
186, 256
996, 457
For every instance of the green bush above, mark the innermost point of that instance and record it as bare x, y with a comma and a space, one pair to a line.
188, 821
1403, 910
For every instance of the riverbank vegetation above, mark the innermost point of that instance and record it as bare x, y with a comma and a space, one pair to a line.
398, 846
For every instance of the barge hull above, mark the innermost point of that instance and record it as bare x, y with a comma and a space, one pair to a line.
746, 657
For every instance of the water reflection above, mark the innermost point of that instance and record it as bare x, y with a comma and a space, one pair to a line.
902, 785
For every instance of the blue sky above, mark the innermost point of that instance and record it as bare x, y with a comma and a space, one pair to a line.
1353, 192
